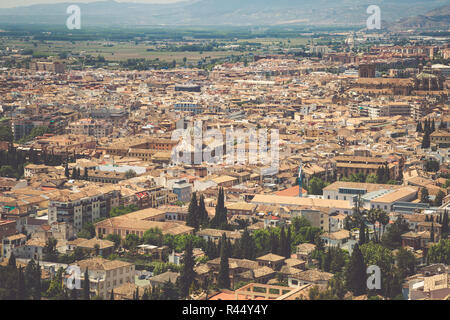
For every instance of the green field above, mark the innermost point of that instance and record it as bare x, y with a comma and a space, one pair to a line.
117, 51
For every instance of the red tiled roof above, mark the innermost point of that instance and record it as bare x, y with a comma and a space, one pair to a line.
290, 192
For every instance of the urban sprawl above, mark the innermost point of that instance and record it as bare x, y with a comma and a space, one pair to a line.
93, 205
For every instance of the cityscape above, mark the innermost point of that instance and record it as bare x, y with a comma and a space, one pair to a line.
202, 151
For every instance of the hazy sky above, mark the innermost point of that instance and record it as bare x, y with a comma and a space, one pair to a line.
18, 3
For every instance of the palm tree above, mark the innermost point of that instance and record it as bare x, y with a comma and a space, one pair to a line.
383, 219
372, 217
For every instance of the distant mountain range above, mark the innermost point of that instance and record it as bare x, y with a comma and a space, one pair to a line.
224, 12
437, 18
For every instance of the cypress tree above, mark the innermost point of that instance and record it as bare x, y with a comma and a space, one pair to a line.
326, 260
248, 246
66, 171
426, 141
21, 290
230, 248
282, 245
192, 219
426, 126
380, 174
444, 229
37, 291
12, 260
432, 232
85, 175
439, 198
223, 278
86, 287
203, 214
288, 244
362, 233
187, 276
111, 297
433, 126
274, 241
356, 272
419, 127
220, 218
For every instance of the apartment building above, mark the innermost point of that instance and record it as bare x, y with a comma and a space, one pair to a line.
86, 205
195, 108
183, 190
440, 138
90, 127
7, 228
348, 165
106, 275
54, 67
139, 222
13, 243
390, 110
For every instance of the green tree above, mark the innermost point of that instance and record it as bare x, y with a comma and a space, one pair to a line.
406, 262
87, 231
282, 245
315, 186
22, 294
440, 252
131, 241
426, 141
169, 291
439, 198
55, 289
445, 226
392, 237
130, 174
248, 246
223, 278
66, 171
373, 216
193, 219
5, 133
32, 276
356, 273
362, 233
187, 276
86, 286
220, 220
50, 252
154, 237
202, 213
371, 178
424, 195
419, 127
116, 239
